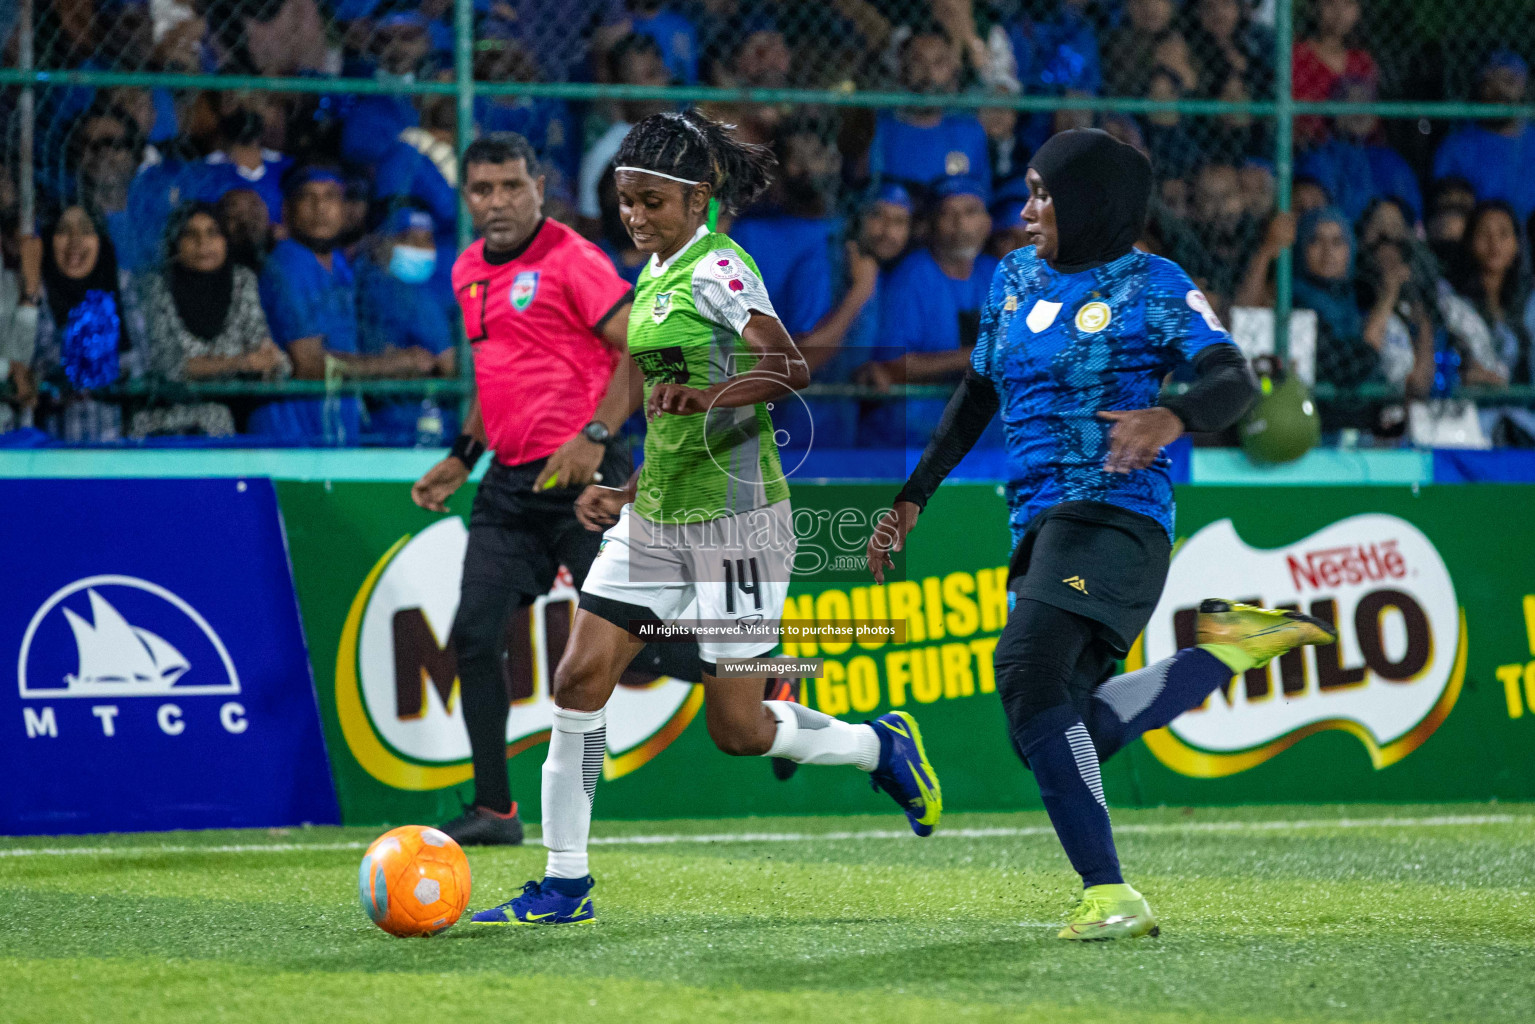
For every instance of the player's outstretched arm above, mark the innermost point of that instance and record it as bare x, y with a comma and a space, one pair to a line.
1223, 390
780, 369
964, 420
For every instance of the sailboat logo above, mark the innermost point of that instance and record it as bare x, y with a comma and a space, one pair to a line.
116, 653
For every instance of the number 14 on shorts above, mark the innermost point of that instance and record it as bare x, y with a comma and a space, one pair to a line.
736, 579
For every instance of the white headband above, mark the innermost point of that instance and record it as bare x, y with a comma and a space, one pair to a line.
668, 177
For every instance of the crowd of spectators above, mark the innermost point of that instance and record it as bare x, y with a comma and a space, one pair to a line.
213, 235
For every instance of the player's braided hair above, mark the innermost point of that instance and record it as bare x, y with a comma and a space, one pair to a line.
692, 146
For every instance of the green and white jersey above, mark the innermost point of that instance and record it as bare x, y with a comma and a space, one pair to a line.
685, 328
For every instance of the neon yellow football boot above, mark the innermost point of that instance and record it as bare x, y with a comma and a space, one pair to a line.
1245, 637
1109, 912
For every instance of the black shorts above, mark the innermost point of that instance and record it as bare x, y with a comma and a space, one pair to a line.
1097, 560
518, 539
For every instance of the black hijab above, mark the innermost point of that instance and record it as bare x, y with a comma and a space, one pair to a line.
202, 297
1100, 188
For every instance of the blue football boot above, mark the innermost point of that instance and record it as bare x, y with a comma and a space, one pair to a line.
904, 771
541, 904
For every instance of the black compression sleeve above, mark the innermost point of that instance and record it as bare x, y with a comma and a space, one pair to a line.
964, 420
1224, 390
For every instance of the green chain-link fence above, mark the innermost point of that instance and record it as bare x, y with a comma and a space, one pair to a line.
1245, 109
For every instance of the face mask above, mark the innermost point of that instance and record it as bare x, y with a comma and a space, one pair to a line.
412, 265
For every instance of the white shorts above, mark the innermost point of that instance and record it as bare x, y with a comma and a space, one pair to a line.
728, 577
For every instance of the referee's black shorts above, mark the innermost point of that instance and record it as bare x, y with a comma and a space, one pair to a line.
1097, 560
518, 539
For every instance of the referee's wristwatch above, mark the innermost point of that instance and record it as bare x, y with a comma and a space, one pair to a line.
597, 432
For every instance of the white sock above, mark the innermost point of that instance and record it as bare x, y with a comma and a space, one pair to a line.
809, 737
577, 745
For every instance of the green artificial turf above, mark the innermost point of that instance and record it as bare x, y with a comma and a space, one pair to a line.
1398, 914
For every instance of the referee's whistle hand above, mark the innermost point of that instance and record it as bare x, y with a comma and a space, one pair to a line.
1138, 437
573, 464
434, 488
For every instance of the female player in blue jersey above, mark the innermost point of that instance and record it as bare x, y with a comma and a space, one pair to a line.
1077, 334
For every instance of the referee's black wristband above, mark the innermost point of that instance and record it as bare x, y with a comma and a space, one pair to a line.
467, 449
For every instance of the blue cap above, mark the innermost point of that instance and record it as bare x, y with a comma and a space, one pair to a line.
895, 195
1506, 60
402, 19
302, 176
406, 218
1006, 214
961, 185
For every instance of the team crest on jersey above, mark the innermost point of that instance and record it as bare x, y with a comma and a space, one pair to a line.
524, 290
1093, 317
661, 307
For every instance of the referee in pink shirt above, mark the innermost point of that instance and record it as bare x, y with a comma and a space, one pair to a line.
547, 316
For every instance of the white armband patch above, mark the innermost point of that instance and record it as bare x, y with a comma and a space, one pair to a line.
1201, 305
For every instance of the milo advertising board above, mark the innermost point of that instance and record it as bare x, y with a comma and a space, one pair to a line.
1429, 694
1427, 589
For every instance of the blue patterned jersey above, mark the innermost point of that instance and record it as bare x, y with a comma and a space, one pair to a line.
1060, 348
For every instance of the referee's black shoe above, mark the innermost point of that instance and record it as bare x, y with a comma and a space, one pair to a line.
789, 690
480, 826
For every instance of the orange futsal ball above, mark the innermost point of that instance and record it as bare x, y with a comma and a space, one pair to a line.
414, 880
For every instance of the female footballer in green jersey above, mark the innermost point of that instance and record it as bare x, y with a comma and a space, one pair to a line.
703, 535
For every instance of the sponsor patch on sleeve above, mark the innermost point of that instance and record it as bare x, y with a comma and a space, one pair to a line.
723, 264
1201, 305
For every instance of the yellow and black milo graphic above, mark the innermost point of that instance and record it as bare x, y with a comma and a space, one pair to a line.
397, 680
1390, 681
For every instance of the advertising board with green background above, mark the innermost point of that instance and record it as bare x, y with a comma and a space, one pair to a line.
1430, 694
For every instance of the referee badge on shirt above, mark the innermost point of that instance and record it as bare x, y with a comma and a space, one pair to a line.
524, 290
1093, 317
661, 307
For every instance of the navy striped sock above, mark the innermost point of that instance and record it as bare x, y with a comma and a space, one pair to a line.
1137, 702
1061, 754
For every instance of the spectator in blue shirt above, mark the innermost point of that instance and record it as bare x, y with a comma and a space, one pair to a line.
1495, 156
563, 35
242, 163
1058, 55
789, 233
672, 32
918, 146
633, 60
309, 294
547, 123
791, 236
396, 310
883, 231
421, 167
930, 316
1354, 170
851, 335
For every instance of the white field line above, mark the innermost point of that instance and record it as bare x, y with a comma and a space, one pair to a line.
1193, 827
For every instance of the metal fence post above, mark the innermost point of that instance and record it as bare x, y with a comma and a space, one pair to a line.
463, 77
25, 111
1284, 130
